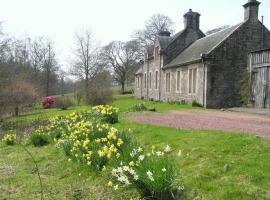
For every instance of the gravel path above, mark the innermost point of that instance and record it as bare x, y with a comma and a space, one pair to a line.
211, 120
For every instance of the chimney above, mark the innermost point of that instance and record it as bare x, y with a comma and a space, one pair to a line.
192, 20
252, 10
164, 33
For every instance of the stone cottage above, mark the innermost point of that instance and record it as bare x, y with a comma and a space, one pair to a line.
190, 66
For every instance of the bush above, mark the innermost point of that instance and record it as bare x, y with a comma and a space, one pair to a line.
139, 107
196, 104
63, 102
8, 125
39, 139
9, 138
245, 87
48, 102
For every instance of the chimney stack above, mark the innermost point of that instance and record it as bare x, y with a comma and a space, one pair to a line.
164, 33
252, 10
192, 20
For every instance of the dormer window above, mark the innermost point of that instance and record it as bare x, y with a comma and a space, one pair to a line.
156, 53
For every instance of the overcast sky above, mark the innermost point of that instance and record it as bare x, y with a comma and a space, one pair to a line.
110, 19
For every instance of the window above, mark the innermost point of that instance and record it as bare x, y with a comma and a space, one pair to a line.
156, 53
156, 80
178, 81
168, 82
192, 81
145, 80
150, 80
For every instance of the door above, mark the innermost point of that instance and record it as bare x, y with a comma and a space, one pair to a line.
261, 87
267, 95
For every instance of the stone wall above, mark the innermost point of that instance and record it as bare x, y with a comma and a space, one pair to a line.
183, 94
228, 62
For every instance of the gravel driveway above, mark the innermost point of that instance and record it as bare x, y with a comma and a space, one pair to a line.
211, 120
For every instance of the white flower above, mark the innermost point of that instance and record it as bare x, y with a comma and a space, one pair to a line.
179, 154
164, 170
159, 153
167, 149
141, 157
149, 173
125, 168
136, 177
115, 187
131, 171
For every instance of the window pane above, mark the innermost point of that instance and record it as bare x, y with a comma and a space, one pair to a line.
190, 81
194, 80
150, 80
178, 81
156, 85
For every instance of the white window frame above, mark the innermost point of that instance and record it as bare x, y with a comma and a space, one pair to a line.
145, 80
150, 80
180, 84
156, 79
192, 69
138, 82
169, 82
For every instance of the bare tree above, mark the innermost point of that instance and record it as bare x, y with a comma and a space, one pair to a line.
86, 63
49, 64
153, 26
122, 57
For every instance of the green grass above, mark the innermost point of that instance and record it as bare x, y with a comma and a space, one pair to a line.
213, 165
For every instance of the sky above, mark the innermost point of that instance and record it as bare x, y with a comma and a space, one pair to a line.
109, 20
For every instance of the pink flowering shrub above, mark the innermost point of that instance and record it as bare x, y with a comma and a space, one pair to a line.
48, 102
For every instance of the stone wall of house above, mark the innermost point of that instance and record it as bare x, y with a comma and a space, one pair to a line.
144, 91
183, 94
228, 62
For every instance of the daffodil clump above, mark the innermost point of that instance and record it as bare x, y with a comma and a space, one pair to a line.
108, 113
85, 138
9, 138
151, 173
93, 144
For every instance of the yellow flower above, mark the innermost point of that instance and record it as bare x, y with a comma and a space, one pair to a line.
110, 184
131, 163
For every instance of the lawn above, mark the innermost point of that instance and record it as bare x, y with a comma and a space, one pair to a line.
213, 165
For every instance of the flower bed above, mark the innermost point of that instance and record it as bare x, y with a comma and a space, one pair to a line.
88, 138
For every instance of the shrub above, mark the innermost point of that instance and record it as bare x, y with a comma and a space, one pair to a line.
107, 113
245, 87
39, 139
18, 94
48, 102
9, 138
63, 102
196, 104
7, 125
139, 107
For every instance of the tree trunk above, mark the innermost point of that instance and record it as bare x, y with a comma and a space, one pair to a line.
122, 88
17, 111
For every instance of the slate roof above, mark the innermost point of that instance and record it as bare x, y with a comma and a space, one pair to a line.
204, 45
164, 41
